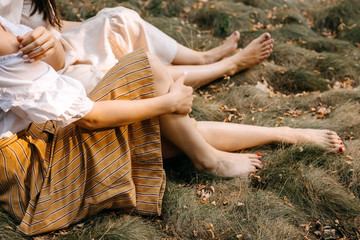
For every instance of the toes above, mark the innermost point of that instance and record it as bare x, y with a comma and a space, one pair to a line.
236, 34
254, 156
265, 36
267, 44
256, 163
264, 56
265, 48
253, 169
331, 133
336, 141
337, 148
342, 149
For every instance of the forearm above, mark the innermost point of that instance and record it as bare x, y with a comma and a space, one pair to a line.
56, 60
116, 113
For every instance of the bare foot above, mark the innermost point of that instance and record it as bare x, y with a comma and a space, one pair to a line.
325, 138
237, 164
218, 53
257, 51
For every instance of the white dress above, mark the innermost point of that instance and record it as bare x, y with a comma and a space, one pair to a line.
94, 46
35, 92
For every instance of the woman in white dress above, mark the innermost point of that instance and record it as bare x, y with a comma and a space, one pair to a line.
87, 50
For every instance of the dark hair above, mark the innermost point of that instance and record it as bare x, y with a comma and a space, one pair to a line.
49, 9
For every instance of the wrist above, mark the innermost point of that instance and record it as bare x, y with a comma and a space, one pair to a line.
169, 102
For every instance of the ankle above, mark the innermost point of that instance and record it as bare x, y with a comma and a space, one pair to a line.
207, 162
231, 66
205, 58
285, 135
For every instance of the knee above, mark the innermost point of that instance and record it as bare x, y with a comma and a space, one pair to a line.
129, 13
162, 78
194, 122
122, 12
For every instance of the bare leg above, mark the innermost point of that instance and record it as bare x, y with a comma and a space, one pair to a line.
199, 75
169, 150
232, 137
180, 130
187, 56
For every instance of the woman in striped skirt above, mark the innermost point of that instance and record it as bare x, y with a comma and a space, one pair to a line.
104, 151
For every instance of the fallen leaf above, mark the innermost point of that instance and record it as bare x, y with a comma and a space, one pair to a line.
240, 204
279, 121
210, 228
8, 227
205, 196
239, 236
263, 85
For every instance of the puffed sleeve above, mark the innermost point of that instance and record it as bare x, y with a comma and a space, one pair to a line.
48, 96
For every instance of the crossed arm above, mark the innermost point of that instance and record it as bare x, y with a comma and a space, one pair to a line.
116, 113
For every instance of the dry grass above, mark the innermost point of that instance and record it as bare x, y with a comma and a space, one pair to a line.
302, 191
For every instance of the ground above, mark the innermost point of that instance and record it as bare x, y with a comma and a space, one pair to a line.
311, 80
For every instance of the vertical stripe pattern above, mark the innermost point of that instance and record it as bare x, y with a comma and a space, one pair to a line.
51, 177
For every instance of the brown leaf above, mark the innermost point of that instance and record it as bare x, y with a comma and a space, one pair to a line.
210, 228
240, 204
8, 227
239, 236
205, 196
263, 85
279, 121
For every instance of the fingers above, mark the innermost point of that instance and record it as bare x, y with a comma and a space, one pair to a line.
37, 44
30, 37
182, 78
39, 55
40, 45
182, 95
20, 39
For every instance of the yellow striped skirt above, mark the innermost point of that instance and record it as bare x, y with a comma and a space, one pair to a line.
51, 177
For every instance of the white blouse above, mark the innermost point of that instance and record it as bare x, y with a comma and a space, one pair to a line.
35, 92
95, 46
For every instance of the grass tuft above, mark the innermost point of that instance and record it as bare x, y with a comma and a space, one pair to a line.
332, 17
